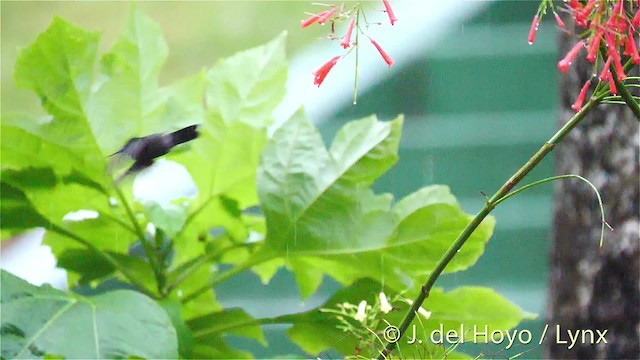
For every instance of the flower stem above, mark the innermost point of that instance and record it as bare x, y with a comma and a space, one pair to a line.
489, 206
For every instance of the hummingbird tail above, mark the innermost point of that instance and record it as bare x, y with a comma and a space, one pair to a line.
184, 135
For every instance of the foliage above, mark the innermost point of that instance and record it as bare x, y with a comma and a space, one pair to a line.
40, 321
319, 216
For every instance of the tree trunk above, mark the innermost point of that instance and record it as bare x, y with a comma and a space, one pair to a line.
593, 288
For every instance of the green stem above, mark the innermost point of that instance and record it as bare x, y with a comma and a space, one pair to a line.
628, 98
254, 260
181, 274
282, 319
357, 46
490, 205
104, 255
561, 177
148, 249
622, 90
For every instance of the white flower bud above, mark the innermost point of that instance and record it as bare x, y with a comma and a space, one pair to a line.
385, 307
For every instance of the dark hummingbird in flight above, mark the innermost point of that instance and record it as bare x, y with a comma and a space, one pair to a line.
143, 150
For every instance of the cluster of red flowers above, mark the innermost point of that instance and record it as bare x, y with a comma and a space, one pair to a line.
607, 21
330, 15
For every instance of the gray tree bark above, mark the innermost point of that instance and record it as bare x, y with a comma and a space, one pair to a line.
593, 288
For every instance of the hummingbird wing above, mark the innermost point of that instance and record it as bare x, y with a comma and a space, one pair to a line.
137, 166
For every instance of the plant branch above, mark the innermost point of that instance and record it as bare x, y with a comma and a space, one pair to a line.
104, 255
628, 98
489, 206
148, 249
254, 260
182, 273
562, 177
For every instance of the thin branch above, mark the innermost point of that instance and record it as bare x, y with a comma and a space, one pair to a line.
477, 220
104, 255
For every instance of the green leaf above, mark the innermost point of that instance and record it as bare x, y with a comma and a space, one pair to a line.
168, 217
323, 202
316, 331
41, 320
128, 101
58, 67
173, 307
472, 306
324, 219
229, 321
93, 114
17, 212
249, 85
89, 266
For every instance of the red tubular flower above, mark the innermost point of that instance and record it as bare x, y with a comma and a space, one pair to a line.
619, 68
322, 72
312, 19
593, 45
616, 22
389, 12
559, 20
580, 100
564, 64
604, 75
632, 49
533, 30
613, 54
347, 36
581, 15
636, 19
612, 86
383, 53
575, 4
325, 16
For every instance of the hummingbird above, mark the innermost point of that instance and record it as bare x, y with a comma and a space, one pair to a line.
143, 150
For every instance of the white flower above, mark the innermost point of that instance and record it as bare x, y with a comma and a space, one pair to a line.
425, 313
361, 315
421, 310
385, 307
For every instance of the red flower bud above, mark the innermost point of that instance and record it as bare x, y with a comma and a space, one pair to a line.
605, 74
612, 86
325, 16
347, 37
311, 19
533, 30
632, 48
559, 20
322, 72
389, 12
383, 53
593, 45
564, 64
580, 100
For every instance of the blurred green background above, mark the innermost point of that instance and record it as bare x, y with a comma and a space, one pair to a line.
478, 104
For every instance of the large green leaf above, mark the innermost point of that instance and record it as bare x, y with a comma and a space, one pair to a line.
92, 115
249, 85
324, 219
316, 331
241, 93
38, 321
